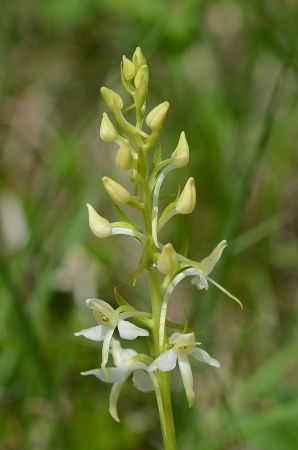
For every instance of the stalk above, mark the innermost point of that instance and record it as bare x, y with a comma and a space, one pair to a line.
163, 393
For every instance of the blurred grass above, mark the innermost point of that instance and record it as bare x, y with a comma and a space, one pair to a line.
217, 63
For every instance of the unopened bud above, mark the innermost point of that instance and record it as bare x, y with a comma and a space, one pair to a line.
107, 130
128, 68
167, 261
187, 200
141, 83
180, 155
124, 159
98, 225
112, 99
155, 118
138, 58
117, 192
141, 77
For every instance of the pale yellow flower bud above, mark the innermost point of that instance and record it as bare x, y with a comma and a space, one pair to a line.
141, 83
107, 130
180, 155
138, 58
128, 68
167, 261
187, 200
155, 118
124, 159
98, 225
112, 99
141, 79
117, 192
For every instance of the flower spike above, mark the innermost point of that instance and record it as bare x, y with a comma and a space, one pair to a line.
135, 131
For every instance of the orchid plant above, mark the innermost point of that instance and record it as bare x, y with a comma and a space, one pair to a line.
165, 267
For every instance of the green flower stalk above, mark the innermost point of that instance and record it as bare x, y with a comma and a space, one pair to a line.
165, 267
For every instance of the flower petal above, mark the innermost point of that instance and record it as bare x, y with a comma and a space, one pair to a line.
165, 362
208, 263
109, 375
204, 357
142, 381
97, 333
221, 288
121, 356
106, 347
190, 271
187, 377
114, 395
130, 331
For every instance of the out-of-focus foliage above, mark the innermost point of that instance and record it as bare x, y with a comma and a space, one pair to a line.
229, 70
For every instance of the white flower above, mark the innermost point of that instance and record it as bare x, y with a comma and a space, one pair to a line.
110, 319
200, 271
184, 345
125, 365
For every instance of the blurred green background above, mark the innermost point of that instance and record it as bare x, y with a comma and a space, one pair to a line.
229, 70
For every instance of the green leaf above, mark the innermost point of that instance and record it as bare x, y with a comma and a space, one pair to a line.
119, 299
122, 216
184, 249
143, 263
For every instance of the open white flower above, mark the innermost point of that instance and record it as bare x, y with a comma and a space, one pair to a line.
200, 273
184, 345
125, 364
109, 319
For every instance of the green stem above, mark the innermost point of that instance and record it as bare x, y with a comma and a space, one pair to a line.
163, 378
163, 393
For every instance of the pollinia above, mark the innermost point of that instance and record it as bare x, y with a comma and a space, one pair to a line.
139, 154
